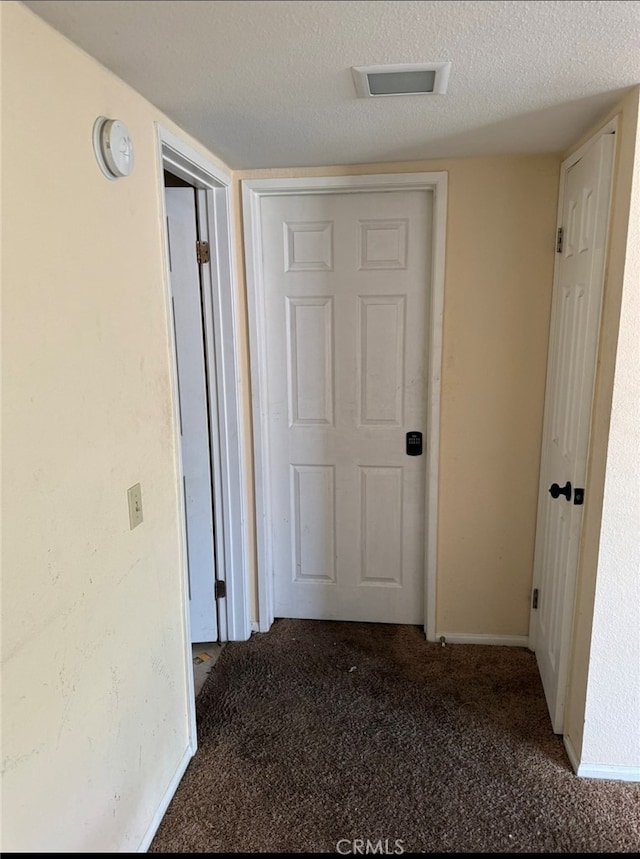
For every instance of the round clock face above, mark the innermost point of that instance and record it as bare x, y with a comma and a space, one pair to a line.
117, 147
114, 149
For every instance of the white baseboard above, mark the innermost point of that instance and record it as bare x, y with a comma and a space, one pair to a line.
164, 802
610, 772
481, 638
600, 771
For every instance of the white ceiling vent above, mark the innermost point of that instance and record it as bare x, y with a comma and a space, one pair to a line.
404, 79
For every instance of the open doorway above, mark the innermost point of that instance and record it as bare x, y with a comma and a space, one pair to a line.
189, 255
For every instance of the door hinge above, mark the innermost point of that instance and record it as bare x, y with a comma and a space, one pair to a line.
534, 598
559, 240
202, 252
220, 589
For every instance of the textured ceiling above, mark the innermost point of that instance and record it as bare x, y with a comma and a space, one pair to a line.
268, 84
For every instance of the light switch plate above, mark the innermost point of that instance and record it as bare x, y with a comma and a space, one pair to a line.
134, 495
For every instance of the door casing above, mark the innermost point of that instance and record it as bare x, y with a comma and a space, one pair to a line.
214, 188
253, 190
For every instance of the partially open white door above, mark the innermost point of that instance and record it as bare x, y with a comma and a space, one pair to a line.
193, 410
575, 323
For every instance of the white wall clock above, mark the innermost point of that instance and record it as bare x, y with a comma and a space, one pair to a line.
113, 147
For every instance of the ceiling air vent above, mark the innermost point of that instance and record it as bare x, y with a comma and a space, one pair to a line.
404, 79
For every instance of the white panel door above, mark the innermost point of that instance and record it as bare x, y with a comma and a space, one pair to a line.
194, 413
575, 324
347, 298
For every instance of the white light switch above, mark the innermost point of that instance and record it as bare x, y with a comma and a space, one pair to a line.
134, 494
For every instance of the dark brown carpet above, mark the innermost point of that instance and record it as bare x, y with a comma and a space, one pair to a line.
316, 732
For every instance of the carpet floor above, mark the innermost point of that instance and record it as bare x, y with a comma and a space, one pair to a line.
316, 732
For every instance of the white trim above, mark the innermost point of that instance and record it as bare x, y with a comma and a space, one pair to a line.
348, 184
189, 164
482, 638
362, 84
253, 190
232, 473
207, 232
440, 198
571, 753
600, 771
255, 308
608, 772
168, 795
610, 127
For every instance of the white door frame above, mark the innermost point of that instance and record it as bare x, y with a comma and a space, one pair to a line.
221, 319
253, 190
570, 589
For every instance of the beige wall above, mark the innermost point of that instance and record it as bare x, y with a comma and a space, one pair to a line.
94, 706
499, 270
608, 560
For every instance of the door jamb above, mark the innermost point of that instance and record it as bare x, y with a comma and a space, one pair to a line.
215, 184
253, 190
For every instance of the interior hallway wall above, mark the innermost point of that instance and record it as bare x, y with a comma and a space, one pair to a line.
94, 666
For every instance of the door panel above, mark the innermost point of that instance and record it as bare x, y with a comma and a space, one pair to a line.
310, 361
194, 413
575, 322
347, 298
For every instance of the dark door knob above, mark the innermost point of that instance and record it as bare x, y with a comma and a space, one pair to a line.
556, 490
